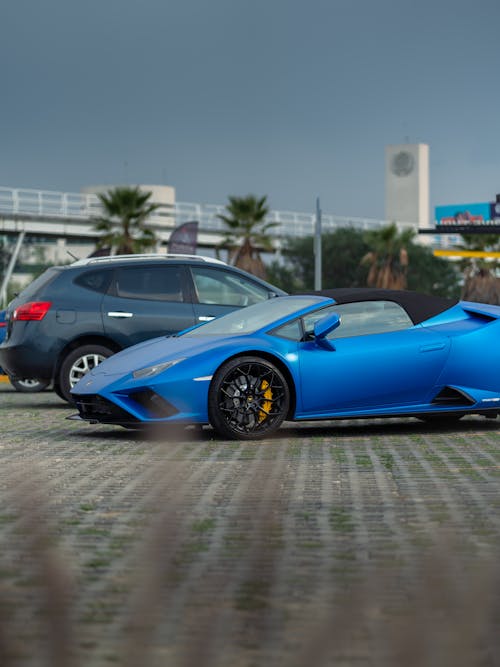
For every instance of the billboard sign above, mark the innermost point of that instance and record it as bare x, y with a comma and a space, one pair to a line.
466, 214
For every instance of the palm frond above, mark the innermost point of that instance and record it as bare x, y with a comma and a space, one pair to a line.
247, 231
125, 211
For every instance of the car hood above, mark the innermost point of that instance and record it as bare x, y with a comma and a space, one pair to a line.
158, 350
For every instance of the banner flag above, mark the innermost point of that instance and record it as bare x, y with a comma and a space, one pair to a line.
184, 239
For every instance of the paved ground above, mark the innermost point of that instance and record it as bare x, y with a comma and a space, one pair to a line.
368, 543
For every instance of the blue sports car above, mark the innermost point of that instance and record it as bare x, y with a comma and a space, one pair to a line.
338, 354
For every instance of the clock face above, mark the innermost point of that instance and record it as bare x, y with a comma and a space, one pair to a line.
402, 163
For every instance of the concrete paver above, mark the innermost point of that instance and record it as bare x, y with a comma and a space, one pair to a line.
331, 543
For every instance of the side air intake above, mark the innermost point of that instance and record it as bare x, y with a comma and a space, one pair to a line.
451, 396
156, 405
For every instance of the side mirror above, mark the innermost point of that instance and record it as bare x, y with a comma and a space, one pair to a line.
323, 327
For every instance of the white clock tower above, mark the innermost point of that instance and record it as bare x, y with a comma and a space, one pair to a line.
407, 184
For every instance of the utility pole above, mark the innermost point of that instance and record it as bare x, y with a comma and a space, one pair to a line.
10, 269
317, 248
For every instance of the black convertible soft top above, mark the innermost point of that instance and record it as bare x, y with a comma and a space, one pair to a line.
420, 307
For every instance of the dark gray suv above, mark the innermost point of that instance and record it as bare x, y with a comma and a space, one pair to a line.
72, 317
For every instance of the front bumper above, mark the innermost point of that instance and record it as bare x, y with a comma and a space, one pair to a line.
146, 403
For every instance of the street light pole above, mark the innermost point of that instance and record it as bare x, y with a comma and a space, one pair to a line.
10, 269
317, 248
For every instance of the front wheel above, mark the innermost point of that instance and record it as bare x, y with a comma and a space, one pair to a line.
77, 364
248, 398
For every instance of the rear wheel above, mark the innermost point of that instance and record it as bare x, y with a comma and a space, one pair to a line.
29, 385
77, 364
248, 398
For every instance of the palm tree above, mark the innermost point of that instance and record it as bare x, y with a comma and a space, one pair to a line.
247, 232
123, 223
480, 280
388, 259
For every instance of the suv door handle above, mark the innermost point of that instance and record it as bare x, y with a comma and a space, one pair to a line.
119, 313
206, 318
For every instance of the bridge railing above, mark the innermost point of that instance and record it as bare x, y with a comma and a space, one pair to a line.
46, 203
83, 207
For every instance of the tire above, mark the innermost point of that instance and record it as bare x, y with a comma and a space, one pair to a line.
57, 390
29, 385
77, 364
248, 398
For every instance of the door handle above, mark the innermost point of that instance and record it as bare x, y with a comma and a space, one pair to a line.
119, 314
206, 318
432, 347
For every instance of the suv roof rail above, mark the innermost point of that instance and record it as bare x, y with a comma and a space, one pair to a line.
121, 258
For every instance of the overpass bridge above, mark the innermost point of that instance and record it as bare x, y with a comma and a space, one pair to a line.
58, 219
47, 213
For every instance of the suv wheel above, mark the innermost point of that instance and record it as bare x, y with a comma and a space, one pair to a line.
77, 364
57, 390
29, 385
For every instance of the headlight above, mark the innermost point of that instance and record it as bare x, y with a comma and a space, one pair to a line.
151, 371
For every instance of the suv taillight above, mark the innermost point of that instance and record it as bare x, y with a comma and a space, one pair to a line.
33, 310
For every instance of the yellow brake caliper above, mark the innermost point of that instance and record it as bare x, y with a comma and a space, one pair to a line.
268, 394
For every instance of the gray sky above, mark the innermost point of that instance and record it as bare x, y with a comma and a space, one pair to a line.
289, 98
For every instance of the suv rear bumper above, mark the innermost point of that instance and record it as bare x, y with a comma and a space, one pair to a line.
19, 362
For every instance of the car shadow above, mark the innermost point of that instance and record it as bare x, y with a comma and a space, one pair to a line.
55, 406
406, 426
164, 433
328, 429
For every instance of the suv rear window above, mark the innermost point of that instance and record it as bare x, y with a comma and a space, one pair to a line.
39, 283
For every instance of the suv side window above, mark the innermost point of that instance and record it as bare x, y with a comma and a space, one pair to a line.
155, 283
363, 318
98, 281
216, 286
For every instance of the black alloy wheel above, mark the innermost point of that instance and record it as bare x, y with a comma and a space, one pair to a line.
248, 398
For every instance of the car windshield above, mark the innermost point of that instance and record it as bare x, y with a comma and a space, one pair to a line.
250, 319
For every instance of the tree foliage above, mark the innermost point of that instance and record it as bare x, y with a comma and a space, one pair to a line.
247, 232
123, 223
387, 258
430, 274
481, 281
342, 253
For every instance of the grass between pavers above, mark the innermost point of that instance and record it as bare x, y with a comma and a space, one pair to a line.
254, 602
258, 553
